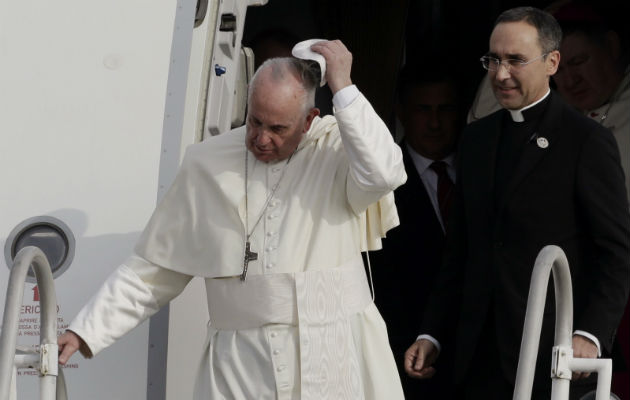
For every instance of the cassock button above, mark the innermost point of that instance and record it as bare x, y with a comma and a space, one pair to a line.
273, 334
542, 142
276, 352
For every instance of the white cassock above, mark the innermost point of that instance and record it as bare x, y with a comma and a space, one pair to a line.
303, 324
617, 119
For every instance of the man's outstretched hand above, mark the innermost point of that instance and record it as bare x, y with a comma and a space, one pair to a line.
69, 342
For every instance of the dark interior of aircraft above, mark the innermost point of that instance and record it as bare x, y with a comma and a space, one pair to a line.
383, 35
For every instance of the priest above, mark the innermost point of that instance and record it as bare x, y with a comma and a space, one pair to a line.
274, 215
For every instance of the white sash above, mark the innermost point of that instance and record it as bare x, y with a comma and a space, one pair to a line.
322, 296
320, 303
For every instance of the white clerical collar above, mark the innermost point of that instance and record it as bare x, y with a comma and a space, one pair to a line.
422, 163
517, 115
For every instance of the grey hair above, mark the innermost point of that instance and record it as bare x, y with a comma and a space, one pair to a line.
306, 72
549, 32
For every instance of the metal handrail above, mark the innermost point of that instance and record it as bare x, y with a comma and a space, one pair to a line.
552, 258
47, 363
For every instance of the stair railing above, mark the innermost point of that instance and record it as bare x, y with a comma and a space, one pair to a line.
552, 258
44, 359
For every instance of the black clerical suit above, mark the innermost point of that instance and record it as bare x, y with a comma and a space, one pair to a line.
404, 273
560, 182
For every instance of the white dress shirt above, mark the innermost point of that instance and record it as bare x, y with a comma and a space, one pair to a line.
430, 178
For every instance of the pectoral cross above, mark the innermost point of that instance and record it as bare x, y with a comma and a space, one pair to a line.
249, 256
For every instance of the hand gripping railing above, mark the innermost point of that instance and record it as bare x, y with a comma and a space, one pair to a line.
552, 258
45, 361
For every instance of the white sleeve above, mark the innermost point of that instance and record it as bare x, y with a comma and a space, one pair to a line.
592, 338
375, 160
132, 293
345, 96
432, 340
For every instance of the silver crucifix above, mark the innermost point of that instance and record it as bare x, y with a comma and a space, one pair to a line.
249, 256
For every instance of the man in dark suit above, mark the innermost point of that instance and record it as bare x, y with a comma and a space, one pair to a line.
533, 174
429, 110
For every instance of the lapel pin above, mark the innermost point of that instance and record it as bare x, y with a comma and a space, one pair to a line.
542, 142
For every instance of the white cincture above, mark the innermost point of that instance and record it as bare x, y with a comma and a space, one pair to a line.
322, 308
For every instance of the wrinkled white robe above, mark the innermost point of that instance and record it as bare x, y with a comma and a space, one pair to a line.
618, 121
322, 336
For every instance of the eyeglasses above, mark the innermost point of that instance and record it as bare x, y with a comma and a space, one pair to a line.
493, 63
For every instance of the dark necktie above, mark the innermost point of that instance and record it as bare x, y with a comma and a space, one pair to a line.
444, 189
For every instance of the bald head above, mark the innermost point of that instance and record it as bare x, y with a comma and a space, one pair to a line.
293, 74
